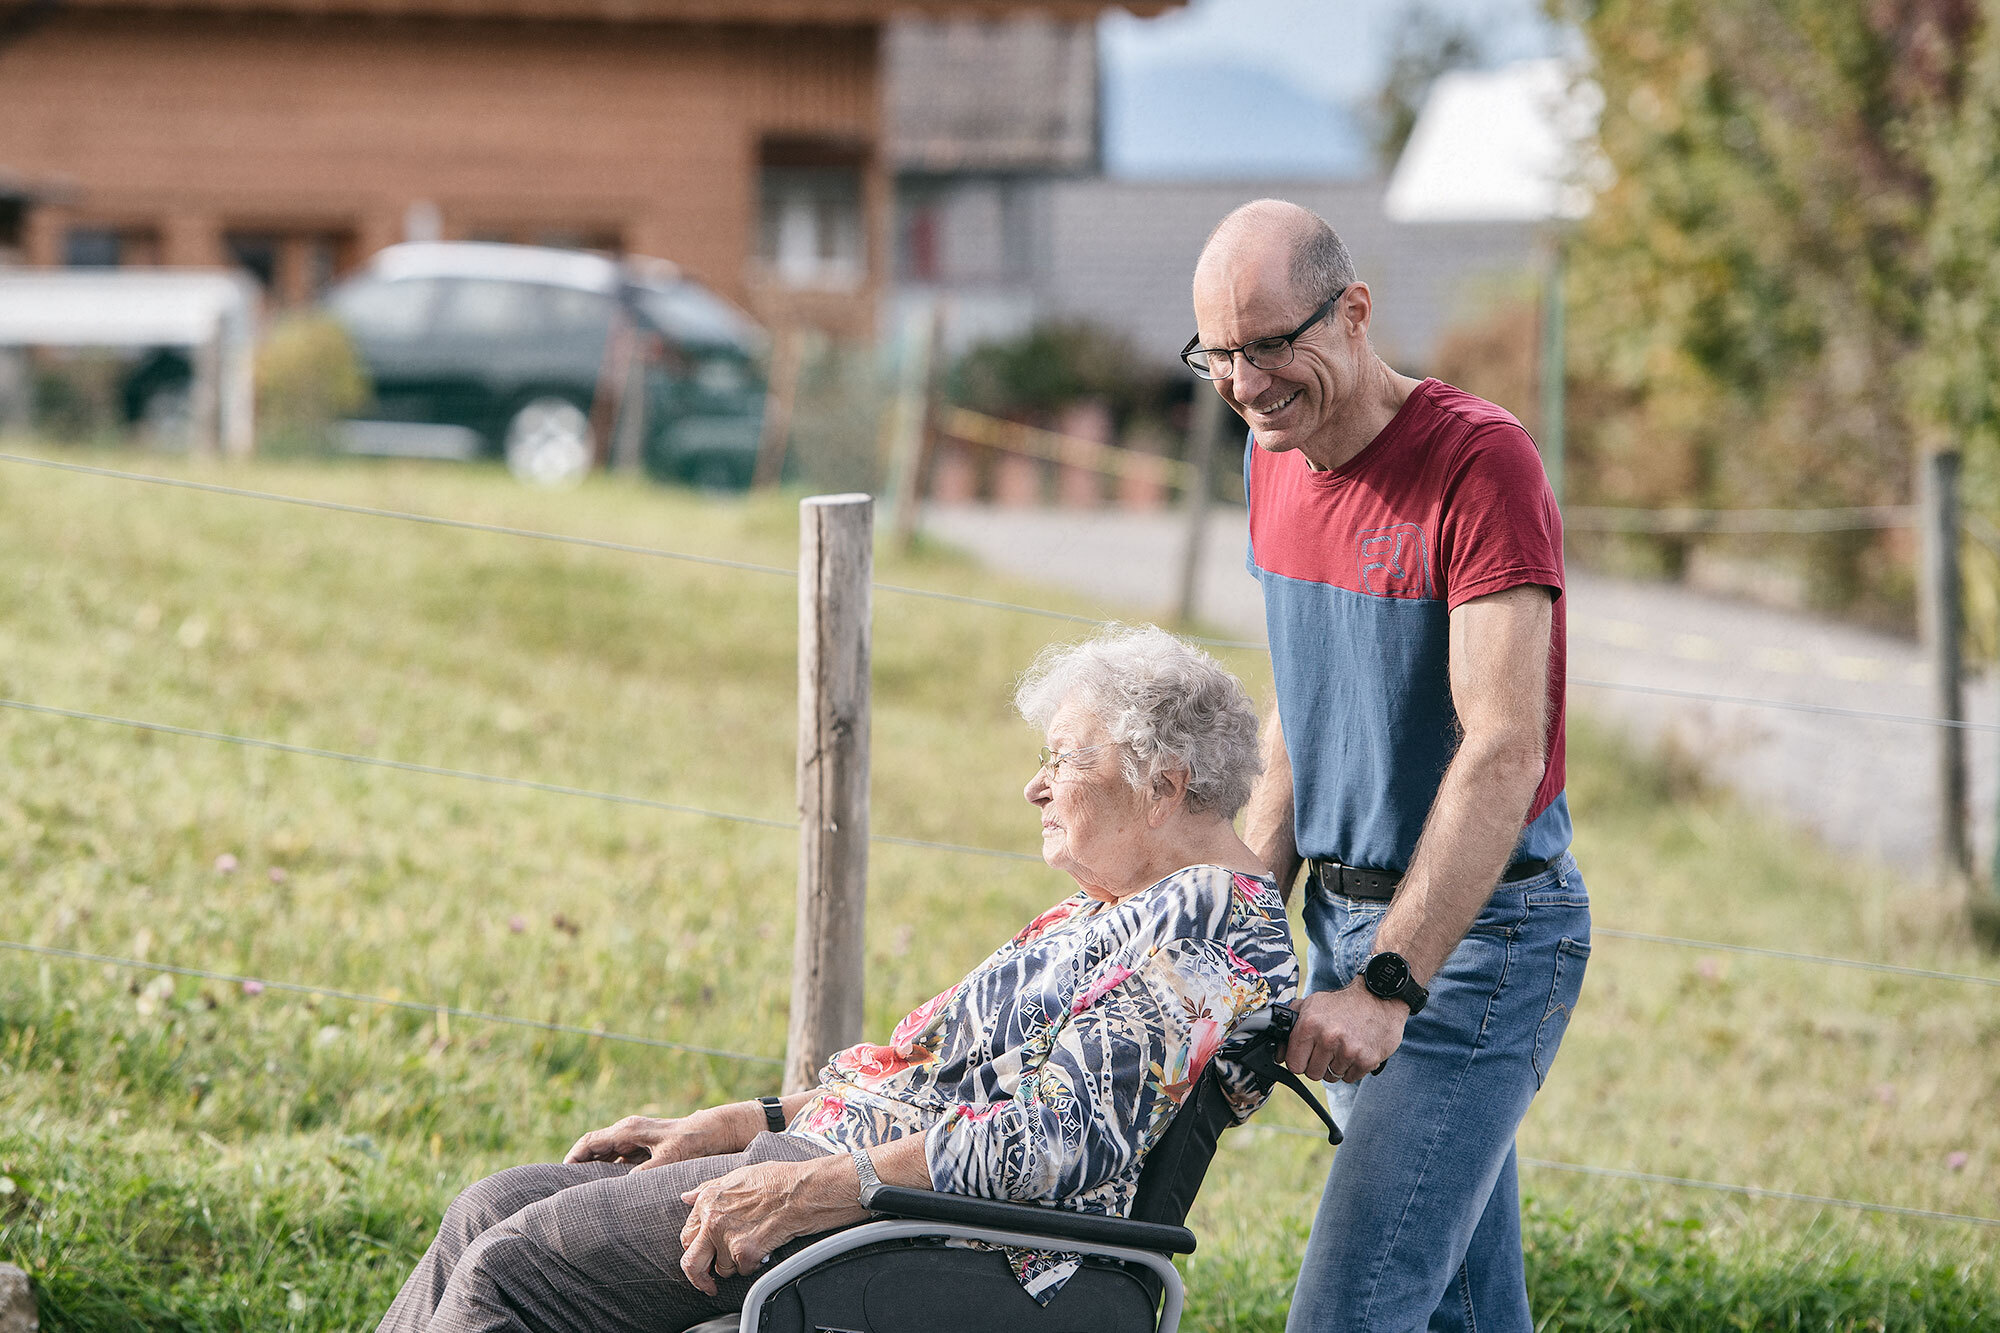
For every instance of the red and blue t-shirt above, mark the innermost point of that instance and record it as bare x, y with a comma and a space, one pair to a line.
1361, 567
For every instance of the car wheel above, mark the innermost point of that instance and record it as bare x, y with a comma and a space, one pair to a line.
549, 444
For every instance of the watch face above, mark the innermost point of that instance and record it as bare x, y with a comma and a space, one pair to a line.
1386, 974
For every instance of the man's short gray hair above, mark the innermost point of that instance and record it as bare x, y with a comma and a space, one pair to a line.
1166, 703
1321, 265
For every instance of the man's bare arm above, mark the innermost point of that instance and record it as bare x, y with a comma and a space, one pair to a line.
1500, 689
1267, 820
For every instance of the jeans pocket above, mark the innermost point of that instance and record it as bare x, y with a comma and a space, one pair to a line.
1572, 955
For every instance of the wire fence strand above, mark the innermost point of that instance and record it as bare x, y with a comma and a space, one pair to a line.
567, 539
1790, 955
1697, 522
1760, 1192
400, 765
491, 779
1886, 514
401, 515
1789, 705
384, 1001
1717, 1186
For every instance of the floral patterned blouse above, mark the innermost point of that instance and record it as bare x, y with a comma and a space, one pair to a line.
1051, 1069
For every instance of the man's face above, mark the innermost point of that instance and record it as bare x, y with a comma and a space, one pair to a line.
1247, 294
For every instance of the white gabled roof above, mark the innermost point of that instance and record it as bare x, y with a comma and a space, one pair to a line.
1508, 145
123, 307
487, 259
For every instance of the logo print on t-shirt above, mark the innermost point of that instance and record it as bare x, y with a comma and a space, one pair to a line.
1394, 562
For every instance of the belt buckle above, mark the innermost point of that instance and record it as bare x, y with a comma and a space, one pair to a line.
1333, 876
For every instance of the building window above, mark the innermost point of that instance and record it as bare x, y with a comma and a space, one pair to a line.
13, 222
293, 267
110, 247
256, 253
810, 216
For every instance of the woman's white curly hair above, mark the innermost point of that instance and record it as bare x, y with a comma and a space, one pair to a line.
1166, 703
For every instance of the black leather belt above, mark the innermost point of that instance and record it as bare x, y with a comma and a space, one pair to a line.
1379, 886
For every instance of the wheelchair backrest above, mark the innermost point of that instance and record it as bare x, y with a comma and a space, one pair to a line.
1174, 1169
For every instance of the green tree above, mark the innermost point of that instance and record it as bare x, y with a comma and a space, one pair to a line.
1756, 287
1955, 384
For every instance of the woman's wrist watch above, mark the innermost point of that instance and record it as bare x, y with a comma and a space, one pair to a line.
864, 1169
774, 1114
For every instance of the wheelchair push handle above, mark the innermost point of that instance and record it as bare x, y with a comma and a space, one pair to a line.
1264, 1058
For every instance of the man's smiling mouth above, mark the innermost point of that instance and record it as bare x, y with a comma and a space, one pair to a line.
1272, 409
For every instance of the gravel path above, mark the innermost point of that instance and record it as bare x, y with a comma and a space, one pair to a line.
1865, 786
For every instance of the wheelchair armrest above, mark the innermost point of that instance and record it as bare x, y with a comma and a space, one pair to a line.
1058, 1224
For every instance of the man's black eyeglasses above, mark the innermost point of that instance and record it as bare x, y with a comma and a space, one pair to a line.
1219, 363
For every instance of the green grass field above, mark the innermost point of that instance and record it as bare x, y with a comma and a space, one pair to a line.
177, 1153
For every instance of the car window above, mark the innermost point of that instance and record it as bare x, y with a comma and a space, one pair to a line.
488, 308
689, 312
374, 308
569, 311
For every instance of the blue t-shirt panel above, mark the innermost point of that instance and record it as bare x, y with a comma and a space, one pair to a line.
1378, 668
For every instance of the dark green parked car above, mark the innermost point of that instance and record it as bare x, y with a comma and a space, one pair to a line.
552, 359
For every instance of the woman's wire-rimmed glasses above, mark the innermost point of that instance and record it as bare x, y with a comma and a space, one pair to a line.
1053, 760
1273, 353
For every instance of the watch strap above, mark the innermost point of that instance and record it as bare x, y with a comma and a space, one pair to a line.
774, 1114
864, 1168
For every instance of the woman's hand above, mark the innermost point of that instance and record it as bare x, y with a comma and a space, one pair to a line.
647, 1142
735, 1221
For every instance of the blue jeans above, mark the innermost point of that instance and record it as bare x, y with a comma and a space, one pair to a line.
1420, 1224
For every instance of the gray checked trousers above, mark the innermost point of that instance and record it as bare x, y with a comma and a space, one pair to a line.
556, 1248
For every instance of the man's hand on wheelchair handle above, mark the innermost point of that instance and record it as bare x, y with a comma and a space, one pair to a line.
1341, 1035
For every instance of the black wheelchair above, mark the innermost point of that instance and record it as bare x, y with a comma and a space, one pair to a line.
912, 1271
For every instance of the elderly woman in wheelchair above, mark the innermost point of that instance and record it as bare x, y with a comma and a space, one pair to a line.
1046, 1075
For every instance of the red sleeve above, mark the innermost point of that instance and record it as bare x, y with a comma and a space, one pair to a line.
1499, 528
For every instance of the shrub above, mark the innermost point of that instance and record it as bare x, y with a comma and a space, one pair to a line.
1049, 366
308, 377
73, 394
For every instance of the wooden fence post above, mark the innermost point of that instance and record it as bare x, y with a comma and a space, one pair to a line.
17, 1301
913, 417
836, 568
781, 394
1204, 423
1943, 622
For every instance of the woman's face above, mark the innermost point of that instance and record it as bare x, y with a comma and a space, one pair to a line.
1094, 824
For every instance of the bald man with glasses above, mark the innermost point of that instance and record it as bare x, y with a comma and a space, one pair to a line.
1410, 553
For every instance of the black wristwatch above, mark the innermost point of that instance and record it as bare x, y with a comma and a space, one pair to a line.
774, 1113
1388, 976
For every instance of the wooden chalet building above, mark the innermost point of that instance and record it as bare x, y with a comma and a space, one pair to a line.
744, 139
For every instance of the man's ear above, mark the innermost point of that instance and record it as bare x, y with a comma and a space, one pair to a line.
1356, 309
